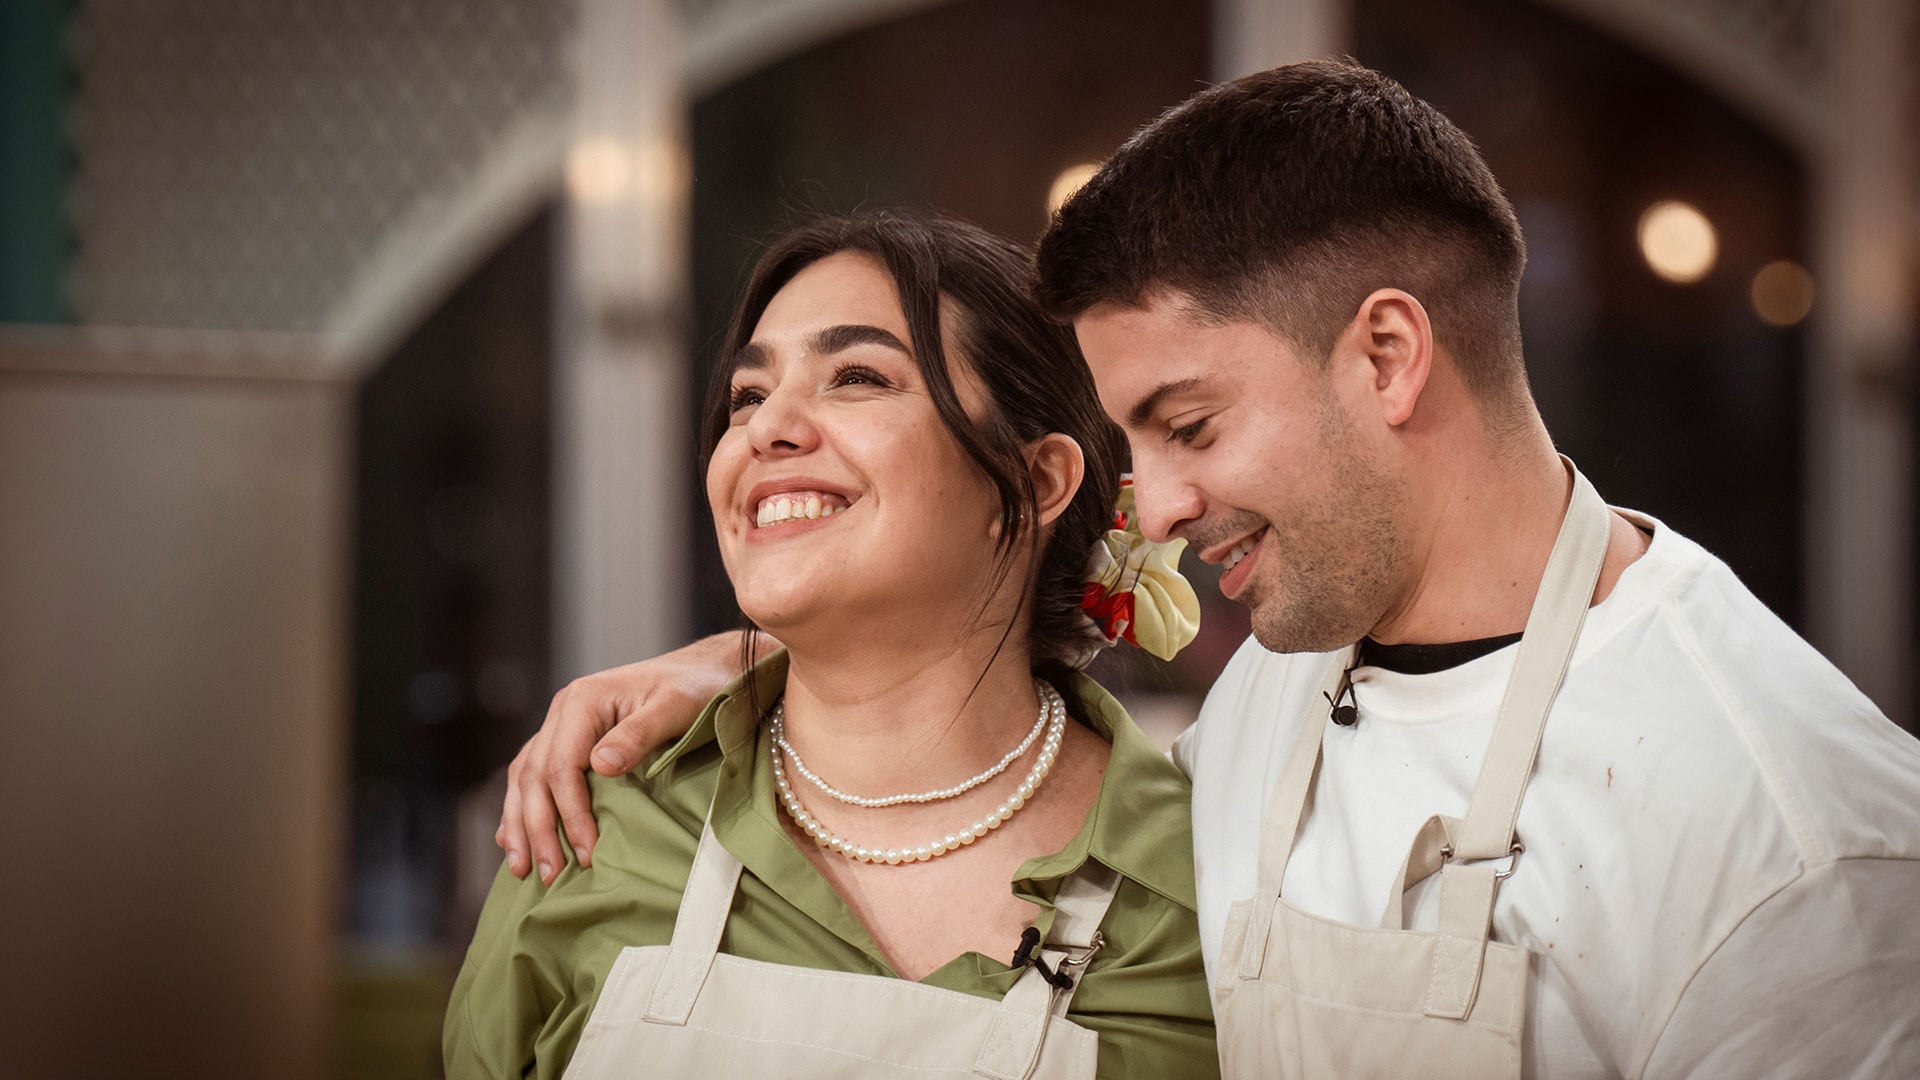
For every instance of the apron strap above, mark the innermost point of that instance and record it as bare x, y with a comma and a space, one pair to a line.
1546, 650
1469, 878
1292, 797
696, 931
1013, 1043
1424, 859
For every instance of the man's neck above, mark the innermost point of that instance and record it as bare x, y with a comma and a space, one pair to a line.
1492, 513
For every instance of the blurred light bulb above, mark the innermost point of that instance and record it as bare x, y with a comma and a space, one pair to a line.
1071, 179
599, 170
661, 173
1678, 242
1782, 293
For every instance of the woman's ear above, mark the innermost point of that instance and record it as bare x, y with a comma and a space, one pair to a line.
1056, 465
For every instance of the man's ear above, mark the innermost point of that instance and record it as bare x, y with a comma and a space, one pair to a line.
1057, 467
1391, 330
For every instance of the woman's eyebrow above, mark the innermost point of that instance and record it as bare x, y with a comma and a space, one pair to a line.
752, 357
838, 338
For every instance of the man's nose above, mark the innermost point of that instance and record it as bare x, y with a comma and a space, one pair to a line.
1163, 502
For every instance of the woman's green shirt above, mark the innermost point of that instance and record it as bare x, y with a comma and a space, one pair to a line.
540, 954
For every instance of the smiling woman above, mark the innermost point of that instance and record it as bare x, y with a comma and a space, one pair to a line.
907, 469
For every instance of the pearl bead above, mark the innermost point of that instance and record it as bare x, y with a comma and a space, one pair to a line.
1053, 712
1051, 719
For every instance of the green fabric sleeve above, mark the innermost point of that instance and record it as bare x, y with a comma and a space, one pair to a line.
540, 955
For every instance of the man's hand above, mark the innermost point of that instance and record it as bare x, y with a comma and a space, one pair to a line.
610, 720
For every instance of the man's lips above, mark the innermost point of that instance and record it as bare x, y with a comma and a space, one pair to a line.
1238, 561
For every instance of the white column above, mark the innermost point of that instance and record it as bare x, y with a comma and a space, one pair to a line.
622, 446
1253, 35
1859, 439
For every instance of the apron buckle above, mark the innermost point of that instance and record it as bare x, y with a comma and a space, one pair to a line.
1512, 856
1079, 956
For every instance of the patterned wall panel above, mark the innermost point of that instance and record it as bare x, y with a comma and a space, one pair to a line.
240, 161
1793, 36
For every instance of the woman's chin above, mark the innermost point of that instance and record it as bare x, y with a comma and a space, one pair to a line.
813, 619
784, 616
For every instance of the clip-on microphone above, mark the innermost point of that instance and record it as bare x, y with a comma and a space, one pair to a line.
1344, 715
1029, 938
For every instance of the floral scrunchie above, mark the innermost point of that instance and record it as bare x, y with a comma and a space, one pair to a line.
1134, 589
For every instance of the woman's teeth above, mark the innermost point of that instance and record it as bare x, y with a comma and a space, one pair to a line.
794, 505
1240, 551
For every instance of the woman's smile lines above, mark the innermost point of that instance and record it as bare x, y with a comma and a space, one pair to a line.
797, 505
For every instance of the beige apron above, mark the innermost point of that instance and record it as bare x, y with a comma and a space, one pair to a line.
686, 1009
1297, 995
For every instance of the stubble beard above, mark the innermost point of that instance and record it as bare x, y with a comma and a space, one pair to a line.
1329, 580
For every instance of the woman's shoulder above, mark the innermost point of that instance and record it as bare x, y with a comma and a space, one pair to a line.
671, 790
1140, 823
647, 817
1133, 750
1146, 994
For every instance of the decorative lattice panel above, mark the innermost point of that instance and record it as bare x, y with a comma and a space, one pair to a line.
241, 160
1910, 149
1795, 37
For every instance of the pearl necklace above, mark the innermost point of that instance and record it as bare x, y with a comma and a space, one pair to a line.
1051, 706
780, 739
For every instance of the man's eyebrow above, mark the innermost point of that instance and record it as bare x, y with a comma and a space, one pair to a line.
840, 338
1143, 412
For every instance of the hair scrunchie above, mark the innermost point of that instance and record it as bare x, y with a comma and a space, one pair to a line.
1134, 589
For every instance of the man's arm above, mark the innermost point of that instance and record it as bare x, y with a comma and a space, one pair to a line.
1817, 981
609, 721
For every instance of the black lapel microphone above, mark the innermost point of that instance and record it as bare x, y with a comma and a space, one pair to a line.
1029, 941
1349, 714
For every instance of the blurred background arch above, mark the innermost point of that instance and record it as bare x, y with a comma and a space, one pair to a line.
348, 354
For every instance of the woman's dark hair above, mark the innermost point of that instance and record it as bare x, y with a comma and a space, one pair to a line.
1029, 366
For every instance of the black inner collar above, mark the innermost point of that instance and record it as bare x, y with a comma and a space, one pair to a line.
1427, 659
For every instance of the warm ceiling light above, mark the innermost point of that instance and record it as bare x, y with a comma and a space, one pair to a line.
1071, 179
1782, 293
1678, 242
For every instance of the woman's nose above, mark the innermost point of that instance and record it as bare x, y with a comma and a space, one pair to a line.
782, 424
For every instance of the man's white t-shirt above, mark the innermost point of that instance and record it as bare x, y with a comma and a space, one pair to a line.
1722, 865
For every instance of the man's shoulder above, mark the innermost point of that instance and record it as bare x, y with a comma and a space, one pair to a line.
1679, 616
1242, 716
1255, 682
1684, 667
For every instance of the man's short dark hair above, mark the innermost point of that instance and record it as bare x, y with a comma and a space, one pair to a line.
1286, 197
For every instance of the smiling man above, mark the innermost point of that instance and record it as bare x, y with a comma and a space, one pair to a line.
1508, 782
